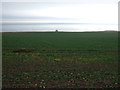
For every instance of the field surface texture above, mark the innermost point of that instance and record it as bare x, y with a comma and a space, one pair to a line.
60, 60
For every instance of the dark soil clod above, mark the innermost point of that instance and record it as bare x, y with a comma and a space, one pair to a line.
22, 51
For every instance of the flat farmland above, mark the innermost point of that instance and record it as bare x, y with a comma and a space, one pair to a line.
60, 60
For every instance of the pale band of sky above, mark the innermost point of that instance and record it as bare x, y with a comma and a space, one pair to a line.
55, 11
81, 1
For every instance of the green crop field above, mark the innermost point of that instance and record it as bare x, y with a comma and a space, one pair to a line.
60, 60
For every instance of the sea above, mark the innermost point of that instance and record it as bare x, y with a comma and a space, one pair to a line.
61, 27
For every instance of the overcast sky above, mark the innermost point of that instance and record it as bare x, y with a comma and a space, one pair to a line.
61, 11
